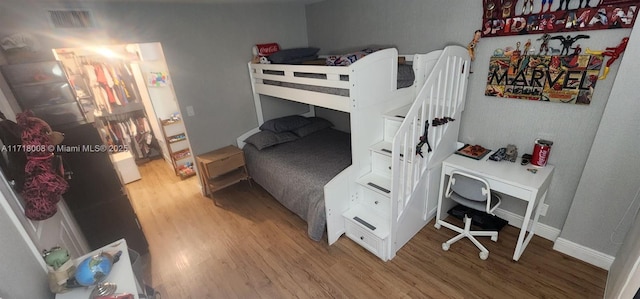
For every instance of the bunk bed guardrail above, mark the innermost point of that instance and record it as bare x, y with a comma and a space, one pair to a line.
328, 86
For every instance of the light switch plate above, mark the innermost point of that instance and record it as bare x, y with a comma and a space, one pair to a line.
543, 209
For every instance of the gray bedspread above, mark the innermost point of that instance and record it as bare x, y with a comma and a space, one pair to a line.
295, 173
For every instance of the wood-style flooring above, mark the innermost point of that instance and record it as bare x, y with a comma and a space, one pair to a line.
252, 247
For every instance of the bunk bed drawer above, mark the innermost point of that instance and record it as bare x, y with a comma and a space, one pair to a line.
363, 237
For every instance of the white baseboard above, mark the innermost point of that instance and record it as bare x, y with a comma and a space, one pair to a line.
542, 230
583, 253
565, 246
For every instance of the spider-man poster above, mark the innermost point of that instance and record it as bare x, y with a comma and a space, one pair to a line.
562, 79
510, 17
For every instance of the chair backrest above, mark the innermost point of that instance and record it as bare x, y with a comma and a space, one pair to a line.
469, 186
472, 191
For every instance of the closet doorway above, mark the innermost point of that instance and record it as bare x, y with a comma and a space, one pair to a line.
126, 91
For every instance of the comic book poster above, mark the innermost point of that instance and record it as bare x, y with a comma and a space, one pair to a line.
562, 79
502, 18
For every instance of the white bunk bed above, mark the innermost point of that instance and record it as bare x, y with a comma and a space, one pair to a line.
381, 200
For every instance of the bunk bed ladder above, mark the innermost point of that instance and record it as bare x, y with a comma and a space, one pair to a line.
388, 203
415, 172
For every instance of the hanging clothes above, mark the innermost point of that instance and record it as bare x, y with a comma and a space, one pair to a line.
105, 82
128, 82
117, 86
131, 131
98, 93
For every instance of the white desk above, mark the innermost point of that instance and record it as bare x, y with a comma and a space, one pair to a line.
509, 178
121, 274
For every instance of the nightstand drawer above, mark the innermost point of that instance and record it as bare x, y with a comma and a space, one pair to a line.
226, 164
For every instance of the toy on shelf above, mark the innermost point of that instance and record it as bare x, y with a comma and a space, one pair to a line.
60, 268
544, 46
186, 170
471, 47
613, 52
511, 153
498, 155
568, 41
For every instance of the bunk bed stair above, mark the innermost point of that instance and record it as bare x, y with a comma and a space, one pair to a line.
393, 202
368, 222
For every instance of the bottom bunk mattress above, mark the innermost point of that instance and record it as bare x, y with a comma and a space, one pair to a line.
295, 173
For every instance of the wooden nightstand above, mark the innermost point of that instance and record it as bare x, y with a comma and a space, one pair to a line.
222, 168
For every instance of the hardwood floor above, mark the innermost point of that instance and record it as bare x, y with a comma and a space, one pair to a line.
252, 247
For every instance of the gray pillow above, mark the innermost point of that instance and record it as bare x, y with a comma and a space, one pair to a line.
264, 139
316, 124
283, 124
293, 55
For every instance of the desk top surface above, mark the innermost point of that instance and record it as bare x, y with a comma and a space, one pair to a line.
121, 274
511, 172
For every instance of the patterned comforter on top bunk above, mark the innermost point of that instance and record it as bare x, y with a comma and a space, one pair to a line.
405, 78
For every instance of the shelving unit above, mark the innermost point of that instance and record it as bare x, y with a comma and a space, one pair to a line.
175, 138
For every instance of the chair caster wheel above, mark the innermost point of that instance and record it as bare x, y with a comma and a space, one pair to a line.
484, 255
494, 238
445, 246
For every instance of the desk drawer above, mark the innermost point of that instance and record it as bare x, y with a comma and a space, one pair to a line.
361, 236
224, 165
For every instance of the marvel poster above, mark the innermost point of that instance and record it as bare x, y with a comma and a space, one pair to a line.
562, 79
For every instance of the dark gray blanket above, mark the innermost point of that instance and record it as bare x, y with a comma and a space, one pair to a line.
295, 173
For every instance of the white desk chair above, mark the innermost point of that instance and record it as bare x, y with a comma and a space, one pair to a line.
472, 192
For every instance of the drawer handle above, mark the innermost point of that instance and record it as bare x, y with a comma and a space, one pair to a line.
362, 238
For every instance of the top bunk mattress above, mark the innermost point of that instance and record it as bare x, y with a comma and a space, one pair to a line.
405, 78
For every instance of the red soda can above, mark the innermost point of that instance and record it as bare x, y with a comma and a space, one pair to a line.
541, 149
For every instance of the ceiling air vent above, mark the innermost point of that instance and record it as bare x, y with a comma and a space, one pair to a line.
66, 19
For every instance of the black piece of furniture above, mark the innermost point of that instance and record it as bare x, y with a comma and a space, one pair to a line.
43, 88
96, 197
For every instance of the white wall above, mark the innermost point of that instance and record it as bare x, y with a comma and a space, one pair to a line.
21, 276
623, 280
422, 26
611, 179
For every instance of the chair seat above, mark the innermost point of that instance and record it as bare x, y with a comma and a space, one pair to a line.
476, 205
